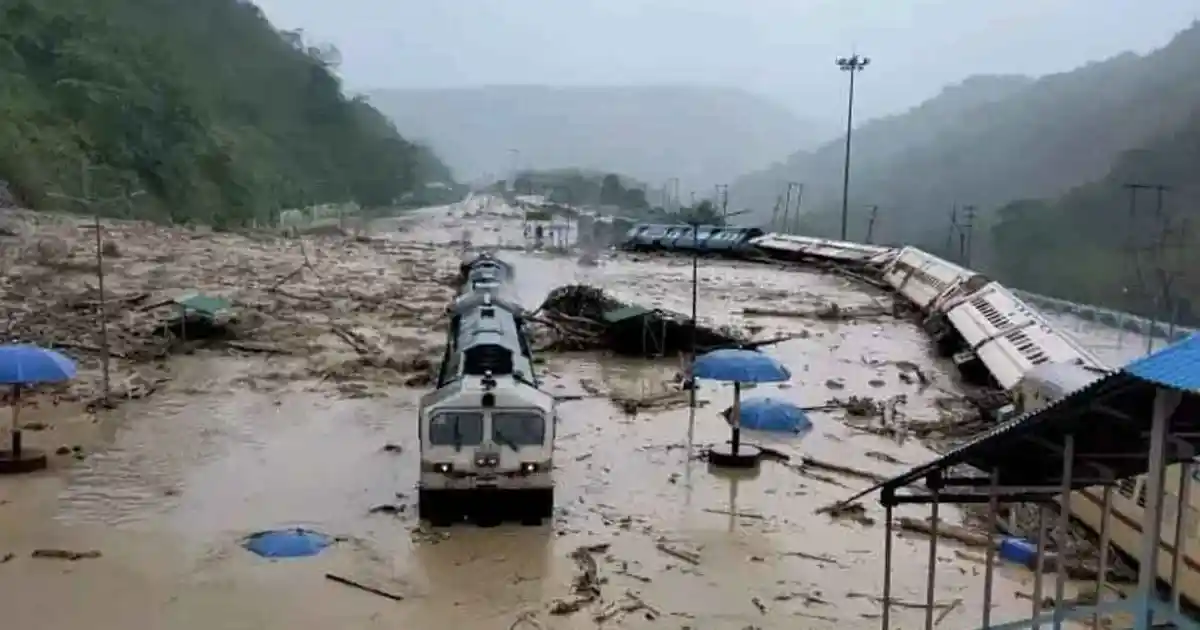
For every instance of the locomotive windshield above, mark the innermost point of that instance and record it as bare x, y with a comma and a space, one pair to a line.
456, 428
518, 428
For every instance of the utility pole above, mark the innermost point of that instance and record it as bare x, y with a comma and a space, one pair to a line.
722, 198
871, 224
852, 64
795, 227
1162, 304
92, 206
966, 234
85, 177
787, 208
515, 154
953, 229
775, 214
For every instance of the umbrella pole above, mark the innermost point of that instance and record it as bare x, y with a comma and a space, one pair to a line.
737, 417
15, 431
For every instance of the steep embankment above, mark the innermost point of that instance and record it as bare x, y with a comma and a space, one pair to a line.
702, 135
988, 141
216, 115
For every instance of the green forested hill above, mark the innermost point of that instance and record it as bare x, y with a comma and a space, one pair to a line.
988, 141
1092, 245
201, 103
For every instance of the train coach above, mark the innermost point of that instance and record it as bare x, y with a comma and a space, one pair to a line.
927, 281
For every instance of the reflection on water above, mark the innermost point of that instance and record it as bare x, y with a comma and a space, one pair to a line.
207, 461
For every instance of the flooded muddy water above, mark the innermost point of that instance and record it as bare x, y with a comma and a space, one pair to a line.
171, 483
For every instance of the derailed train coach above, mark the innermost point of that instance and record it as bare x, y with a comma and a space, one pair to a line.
704, 239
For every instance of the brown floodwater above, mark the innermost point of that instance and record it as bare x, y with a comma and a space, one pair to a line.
170, 484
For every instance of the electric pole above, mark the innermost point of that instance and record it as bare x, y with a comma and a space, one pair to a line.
787, 208
775, 214
871, 224
515, 154
1152, 257
966, 234
795, 229
722, 199
92, 206
953, 229
852, 64
786, 227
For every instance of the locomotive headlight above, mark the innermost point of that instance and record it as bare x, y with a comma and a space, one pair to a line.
489, 461
530, 467
443, 467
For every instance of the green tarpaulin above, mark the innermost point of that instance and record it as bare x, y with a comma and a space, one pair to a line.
204, 304
625, 313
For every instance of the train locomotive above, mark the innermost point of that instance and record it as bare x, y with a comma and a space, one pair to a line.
487, 431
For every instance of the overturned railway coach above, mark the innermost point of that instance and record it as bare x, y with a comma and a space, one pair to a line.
487, 431
992, 334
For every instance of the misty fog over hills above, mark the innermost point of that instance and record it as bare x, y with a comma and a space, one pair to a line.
702, 135
988, 141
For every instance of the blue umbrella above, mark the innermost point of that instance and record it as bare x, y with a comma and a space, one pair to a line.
771, 414
287, 543
23, 364
739, 366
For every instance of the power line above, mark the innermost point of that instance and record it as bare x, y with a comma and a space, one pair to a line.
852, 64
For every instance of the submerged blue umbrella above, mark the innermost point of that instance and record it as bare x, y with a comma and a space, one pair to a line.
23, 364
287, 543
740, 366
771, 414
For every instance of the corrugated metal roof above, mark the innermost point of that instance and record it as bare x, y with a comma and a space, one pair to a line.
1177, 366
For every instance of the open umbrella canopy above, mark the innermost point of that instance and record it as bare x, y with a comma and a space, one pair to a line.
27, 364
740, 366
772, 414
287, 543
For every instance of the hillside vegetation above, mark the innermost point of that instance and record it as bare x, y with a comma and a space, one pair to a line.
702, 135
988, 141
1092, 245
201, 104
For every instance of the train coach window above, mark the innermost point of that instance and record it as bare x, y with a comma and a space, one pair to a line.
456, 428
518, 428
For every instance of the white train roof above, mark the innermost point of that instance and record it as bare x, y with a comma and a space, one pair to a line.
467, 393
819, 247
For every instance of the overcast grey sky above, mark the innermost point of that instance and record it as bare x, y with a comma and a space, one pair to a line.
784, 49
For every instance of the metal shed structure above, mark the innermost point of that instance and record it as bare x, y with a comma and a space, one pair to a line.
1137, 420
